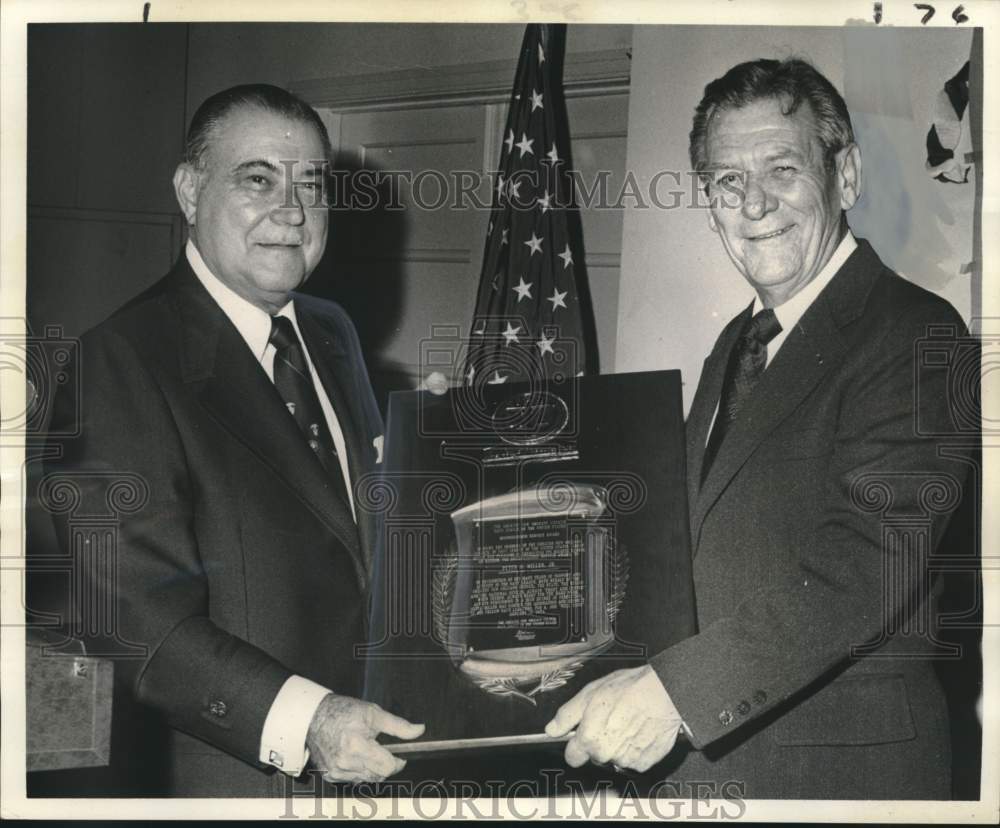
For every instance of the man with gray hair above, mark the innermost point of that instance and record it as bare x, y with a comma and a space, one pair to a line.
246, 411
802, 680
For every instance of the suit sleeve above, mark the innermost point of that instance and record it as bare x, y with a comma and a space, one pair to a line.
205, 681
778, 642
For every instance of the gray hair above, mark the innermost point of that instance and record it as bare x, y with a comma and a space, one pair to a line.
261, 95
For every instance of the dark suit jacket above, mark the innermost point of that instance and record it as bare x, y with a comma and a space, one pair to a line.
242, 566
810, 537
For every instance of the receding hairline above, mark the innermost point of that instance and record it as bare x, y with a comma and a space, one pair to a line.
247, 107
788, 105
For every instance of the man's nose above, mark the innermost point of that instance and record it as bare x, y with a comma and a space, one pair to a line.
290, 210
757, 201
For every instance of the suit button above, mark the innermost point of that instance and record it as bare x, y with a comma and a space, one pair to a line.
759, 697
217, 708
726, 717
743, 707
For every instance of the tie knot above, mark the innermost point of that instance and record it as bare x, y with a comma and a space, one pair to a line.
282, 333
763, 327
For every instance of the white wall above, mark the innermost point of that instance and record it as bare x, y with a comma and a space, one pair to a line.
678, 288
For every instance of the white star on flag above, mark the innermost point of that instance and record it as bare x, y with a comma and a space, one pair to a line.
544, 202
500, 184
523, 290
496, 379
535, 244
525, 145
509, 140
545, 345
511, 333
566, 256
536, 100
471, 373
557, 299
503, 238
514, 190
553, 156
541, 55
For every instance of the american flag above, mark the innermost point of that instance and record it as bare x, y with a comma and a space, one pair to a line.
533, 320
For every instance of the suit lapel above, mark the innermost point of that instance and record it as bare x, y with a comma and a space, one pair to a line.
810, 351
237, 393
333, 364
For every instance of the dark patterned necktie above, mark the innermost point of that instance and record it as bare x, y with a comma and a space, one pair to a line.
746, 363
295, 385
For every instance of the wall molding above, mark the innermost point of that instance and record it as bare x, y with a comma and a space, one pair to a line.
173, 221
584, 73
599, 259
100, 214
437, 255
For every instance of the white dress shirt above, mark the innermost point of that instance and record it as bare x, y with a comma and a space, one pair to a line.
790, 312
283, 739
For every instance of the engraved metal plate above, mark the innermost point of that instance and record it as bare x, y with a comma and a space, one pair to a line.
530, 588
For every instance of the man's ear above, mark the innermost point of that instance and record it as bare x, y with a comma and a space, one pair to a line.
186, 184
849, 176
712, 222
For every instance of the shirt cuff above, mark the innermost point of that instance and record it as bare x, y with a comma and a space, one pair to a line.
684, 728
283, 739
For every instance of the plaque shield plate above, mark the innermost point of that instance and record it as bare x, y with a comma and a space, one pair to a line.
530, 588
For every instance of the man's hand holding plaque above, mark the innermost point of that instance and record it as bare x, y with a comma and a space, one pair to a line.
342, 744
625, 718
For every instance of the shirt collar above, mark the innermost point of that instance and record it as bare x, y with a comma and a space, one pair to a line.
790, 312
253, 323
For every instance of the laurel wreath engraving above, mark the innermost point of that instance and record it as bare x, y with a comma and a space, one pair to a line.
619, 579
442, 593
550, 681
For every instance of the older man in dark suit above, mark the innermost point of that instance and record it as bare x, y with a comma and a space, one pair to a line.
246, 411
802, 438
